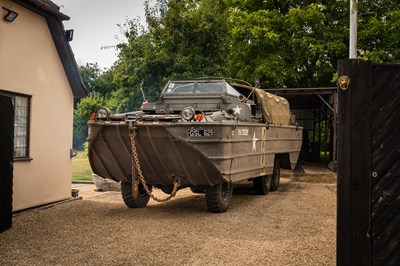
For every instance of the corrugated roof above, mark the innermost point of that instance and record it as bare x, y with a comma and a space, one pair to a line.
304, 97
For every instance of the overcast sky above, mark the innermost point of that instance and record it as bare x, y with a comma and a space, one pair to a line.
95, 26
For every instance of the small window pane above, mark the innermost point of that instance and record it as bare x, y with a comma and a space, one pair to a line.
232, 91
210, 87
180, 87
21, 126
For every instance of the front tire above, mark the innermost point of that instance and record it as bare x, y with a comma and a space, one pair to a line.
219, 197
141, 199
262, 184
276, 175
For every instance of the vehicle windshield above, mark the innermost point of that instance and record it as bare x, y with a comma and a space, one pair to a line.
208, 87
180, 87
199, 87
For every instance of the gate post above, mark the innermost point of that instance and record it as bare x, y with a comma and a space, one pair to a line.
354, 163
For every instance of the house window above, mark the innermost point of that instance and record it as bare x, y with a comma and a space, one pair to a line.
21, 127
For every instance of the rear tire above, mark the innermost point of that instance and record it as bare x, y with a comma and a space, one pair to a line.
262, 184
276, 175
141, 199
219, 197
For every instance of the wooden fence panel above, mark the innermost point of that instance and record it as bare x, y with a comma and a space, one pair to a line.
385, 164
368, 212
354, 153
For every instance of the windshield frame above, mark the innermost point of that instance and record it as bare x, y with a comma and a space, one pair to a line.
225, 88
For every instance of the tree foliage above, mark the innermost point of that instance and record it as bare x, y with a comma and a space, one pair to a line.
293, 43
379, 34
85, 108
286, 43
101, 86
98, 80
183, 39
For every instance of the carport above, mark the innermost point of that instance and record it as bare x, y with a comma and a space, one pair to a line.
315, 110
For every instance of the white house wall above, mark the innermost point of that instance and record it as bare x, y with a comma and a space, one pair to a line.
30, 65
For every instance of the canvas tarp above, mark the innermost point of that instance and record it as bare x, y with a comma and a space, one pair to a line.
275, 109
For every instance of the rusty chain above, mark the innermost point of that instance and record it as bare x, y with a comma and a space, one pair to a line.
136, 166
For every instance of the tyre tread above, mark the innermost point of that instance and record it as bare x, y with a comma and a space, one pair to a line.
214, 200
139, 202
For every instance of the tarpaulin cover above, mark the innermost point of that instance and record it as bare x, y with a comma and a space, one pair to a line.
275, 109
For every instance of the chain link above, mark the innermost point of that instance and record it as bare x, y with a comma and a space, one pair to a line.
136, 166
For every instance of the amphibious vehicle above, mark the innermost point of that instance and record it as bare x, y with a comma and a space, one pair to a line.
205, 133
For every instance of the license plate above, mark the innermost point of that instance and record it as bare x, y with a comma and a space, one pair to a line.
200, 132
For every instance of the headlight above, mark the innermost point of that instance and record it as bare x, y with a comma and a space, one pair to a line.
103, 113
188, 113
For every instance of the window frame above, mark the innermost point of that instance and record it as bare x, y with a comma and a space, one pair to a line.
13, 95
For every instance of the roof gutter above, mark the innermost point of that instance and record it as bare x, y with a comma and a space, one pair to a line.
43, 8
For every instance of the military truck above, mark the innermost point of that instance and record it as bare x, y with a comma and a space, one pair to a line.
204, 133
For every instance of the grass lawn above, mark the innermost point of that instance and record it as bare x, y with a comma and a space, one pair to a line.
80, 167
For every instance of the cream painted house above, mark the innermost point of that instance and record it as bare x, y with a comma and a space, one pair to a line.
38, 72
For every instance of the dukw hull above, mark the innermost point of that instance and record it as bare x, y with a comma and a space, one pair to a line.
199, 154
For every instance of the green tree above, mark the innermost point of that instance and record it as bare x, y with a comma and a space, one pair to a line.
379, 34
286, 43
183, 39
135, 60
85, 108
101, 85
97, 80
298, 43
89, 73
193, 36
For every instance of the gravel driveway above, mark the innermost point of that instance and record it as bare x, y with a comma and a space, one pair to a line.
295, 225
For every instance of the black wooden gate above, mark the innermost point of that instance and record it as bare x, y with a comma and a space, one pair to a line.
368, 212
6, 160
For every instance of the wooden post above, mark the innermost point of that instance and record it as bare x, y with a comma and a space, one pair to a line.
334, 155
354, 165
326, 140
